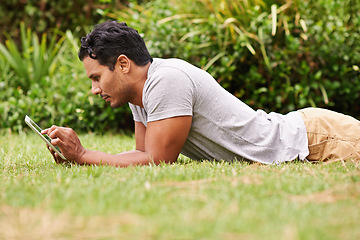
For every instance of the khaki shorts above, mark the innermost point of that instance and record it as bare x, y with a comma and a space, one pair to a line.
331, 135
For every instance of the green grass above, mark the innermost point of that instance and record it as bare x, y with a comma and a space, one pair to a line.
185, 200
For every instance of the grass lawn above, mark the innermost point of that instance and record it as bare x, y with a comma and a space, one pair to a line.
185, 200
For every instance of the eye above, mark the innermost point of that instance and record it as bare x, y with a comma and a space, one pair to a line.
96, 78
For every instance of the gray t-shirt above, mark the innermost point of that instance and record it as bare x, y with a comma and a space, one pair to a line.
223, 127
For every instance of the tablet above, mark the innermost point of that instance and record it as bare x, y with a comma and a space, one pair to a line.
44, 137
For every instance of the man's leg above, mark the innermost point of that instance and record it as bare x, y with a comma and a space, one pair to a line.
331, 135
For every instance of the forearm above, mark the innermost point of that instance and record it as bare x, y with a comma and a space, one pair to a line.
124, 159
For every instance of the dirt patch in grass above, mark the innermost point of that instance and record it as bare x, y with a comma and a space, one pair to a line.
203, 182
339, 192
36, 223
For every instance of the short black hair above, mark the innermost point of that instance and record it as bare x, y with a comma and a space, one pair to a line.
109, 40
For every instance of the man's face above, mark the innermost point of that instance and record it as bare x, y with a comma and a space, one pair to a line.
110, 85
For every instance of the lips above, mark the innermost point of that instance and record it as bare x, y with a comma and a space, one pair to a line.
105, 97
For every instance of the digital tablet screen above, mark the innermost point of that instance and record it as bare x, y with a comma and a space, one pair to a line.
44, 137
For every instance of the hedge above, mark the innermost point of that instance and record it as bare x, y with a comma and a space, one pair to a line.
41, 16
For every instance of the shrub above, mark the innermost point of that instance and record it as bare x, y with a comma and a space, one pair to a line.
35, 60
59, 95
40, 16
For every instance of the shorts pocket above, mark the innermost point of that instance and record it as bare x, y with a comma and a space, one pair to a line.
323, 150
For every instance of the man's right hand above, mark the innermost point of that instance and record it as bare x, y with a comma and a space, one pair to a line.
68, 142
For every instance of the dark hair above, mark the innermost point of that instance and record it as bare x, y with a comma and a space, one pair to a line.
109, 40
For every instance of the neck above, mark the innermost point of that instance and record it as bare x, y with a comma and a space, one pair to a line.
139, 74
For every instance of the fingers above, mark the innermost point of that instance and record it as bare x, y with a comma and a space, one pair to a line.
57, 142
53, 131
56, 133
53, 153
56, 157
68, 142
49, 130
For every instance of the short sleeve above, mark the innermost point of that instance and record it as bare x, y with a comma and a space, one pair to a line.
135, 112
139, 114
168, 92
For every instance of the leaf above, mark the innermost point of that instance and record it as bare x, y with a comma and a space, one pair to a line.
324, 94
274, 19
213, 60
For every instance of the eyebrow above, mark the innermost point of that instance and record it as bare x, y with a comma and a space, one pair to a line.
93, 75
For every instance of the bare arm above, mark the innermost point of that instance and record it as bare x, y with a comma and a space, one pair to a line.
160, 141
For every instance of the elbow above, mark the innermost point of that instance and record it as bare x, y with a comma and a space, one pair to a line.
158, 160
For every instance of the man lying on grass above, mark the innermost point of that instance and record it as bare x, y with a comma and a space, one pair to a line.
179, 108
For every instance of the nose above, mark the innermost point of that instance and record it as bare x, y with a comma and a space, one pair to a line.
95, 88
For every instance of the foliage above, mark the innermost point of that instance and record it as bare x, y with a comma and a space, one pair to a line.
40, 16
184, 200
276, 55
35, 60
47, 82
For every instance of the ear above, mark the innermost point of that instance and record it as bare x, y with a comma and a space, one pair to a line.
124, 63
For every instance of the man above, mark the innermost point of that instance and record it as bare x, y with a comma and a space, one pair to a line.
178, 107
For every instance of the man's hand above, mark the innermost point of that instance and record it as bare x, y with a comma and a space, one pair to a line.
68, 142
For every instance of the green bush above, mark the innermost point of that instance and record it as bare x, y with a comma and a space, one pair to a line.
40, 16
59, 95
35, 60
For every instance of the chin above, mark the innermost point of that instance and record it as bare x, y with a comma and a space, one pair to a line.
115, 105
